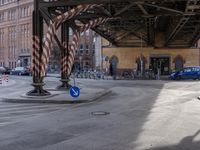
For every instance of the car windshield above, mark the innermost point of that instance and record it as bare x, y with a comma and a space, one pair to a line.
19, 68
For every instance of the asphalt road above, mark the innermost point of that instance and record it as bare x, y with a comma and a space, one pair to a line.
156, 115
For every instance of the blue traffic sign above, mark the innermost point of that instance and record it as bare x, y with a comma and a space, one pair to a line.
74, 92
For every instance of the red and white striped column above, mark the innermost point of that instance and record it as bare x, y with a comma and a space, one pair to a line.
76, 36
36, 56
47, 46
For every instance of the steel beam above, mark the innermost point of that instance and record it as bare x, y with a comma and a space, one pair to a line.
164, 8
124, 9
150, 31
195, 36
177, 28
75, 2
142, 9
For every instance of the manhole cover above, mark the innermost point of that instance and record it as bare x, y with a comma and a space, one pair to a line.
100, 113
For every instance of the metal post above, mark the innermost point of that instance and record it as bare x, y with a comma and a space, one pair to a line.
64, 52
37, 23
141, 61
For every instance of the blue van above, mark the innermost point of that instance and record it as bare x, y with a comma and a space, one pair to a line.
186, 73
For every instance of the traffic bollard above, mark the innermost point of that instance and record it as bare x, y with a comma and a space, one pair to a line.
7, 78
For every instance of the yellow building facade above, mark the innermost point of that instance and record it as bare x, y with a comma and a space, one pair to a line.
170, 59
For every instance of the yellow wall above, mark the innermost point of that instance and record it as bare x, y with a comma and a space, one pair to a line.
127, 56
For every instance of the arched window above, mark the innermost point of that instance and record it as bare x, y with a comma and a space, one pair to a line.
179, 62
113, 65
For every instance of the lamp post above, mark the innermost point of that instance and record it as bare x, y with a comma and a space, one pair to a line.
141, 61
80, 61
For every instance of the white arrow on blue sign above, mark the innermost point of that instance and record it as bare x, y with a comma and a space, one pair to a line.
74, 92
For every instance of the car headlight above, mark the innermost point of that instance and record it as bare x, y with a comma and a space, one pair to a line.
172, 74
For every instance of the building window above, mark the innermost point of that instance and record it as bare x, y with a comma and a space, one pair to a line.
2, 2
87, 63
179, 62
11, 14
1, 36
25, 11
87, 49
81, 46
1, 16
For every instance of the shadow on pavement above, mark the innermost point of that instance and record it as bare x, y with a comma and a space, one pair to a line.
130, 106
186, 143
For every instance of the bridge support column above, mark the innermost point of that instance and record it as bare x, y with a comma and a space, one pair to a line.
64, 57
37, 25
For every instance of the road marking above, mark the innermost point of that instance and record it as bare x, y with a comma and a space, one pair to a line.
75, 93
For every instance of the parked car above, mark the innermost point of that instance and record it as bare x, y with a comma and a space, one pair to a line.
8, 70
20, 71
2, 70
186, 73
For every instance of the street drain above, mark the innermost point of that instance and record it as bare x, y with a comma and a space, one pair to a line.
100, 113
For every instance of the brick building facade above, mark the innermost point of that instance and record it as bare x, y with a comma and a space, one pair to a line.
85, 55
15, 32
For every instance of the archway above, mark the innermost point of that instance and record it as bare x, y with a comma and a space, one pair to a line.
113, 66
179, 62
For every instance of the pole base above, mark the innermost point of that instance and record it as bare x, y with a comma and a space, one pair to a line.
38, 91
65, 85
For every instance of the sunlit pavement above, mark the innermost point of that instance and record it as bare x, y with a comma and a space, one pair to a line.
157, 115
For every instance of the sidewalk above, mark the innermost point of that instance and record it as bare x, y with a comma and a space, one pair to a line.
9, 83
53, 75
59, 97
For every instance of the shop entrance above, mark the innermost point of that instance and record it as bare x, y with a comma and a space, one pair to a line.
161, 64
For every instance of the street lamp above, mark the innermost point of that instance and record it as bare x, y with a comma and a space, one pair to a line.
141, 61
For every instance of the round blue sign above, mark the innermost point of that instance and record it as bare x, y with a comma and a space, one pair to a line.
74, 91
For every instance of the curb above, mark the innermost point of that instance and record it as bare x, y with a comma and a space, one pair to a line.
45, 101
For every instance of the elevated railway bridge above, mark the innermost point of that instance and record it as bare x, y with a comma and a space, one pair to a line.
124, 23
